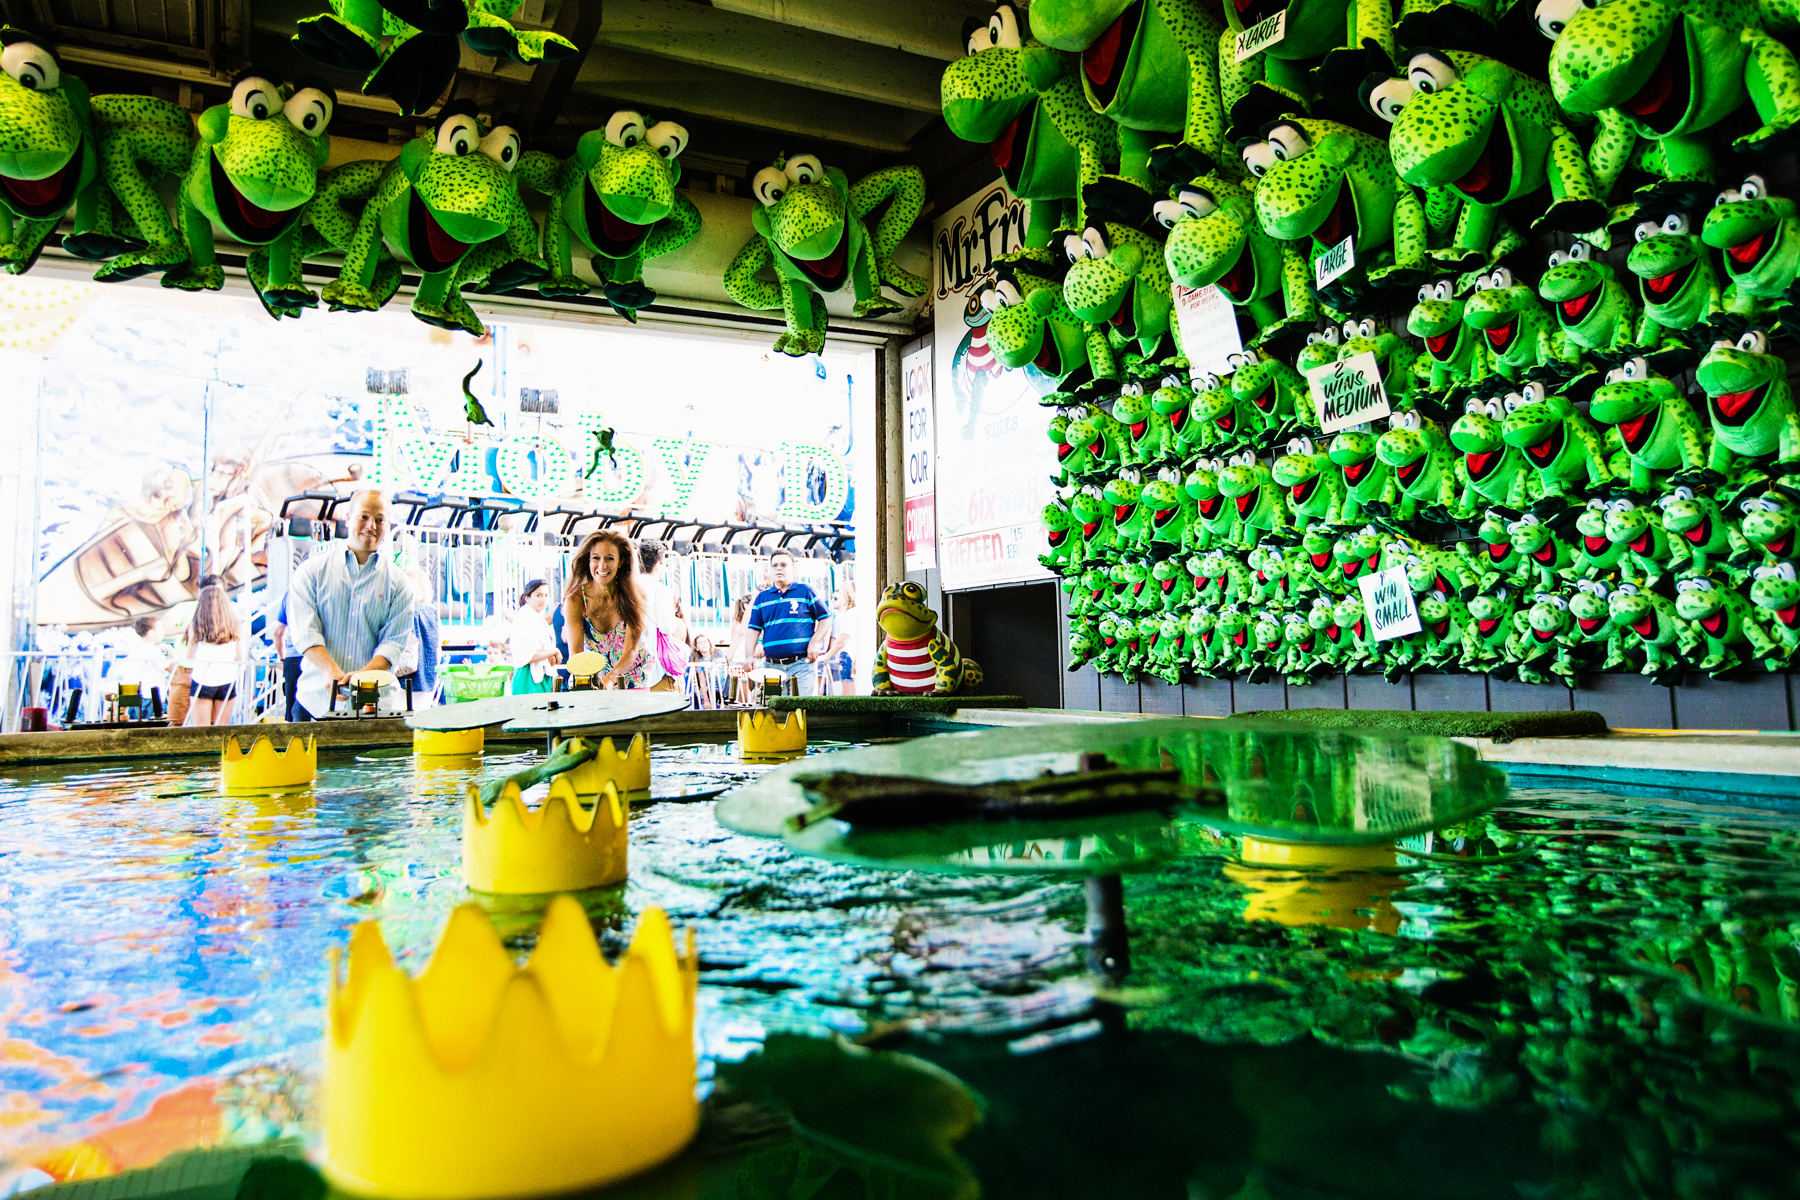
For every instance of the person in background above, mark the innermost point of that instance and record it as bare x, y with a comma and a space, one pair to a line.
705, 651
350, 609
605, 612
428, 637
843, 616
743, 647
533, 643
290, 661
215, 648
144, 660
665, 610
790, 622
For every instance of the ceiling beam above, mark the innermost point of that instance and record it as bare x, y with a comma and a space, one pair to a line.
683, 31
579, 21
932, 28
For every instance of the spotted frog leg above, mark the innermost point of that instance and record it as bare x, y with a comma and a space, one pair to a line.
142, 140
803, 309
369, 277
905, 187
1772, 78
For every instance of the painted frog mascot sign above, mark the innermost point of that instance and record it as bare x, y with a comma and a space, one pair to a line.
809, 227
47, 153
617, 198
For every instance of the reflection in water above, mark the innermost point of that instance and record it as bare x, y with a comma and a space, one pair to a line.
1298, 883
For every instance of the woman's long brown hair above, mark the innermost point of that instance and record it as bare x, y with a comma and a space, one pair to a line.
214, 622
624, 593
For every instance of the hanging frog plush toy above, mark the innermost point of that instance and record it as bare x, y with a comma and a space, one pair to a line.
1521, 335
1118, 278
1676, 281
408, 50
1451, 347
616, 197
1656, 424
1759, 235
1493, 472
1024, 100
1215, 238
1491, 134
450, 190
1328, 182
1669, 71
47, 146
1029, 327
1151, 66
808, 223
1557, 441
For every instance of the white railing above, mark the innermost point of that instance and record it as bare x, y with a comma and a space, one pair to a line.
51, 679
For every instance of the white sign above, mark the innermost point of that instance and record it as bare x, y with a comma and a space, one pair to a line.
994, 468
1348, 392
920, 448
1209, 329
1335, 260
1261, 35
1389, 601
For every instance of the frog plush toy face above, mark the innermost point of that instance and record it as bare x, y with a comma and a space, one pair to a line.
1028, 323
1750, 401
1321, 348
46, 148
259, 157
632, 169
1117, 274
1757, 231
464, 178
1322, 180
1478, 126
1590, 305
802, 207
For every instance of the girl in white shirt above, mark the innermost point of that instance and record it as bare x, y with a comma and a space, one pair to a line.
215, 647
533, 643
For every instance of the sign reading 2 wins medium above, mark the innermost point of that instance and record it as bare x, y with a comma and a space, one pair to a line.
1348, 392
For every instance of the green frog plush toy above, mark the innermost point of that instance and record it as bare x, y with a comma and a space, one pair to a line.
142, 141
1592, 308
617, 198
1769, 524
1311, 485
1270, 389
1328, 182
1250, 489
1650, 623
1423, 461
1029, 327
1025, 101
450, 190
1751, 404
1368, 481
808, 223
1676, 280
1117, 275
421, 53
1558, 442
1214, 237
1725, 621
1776, 595
253, 172
47, 147
1669, 71
1521, 335
1700, 535
1656, 424
1492, 471
1151, 66
1492, 134
1759, 234
1452, 348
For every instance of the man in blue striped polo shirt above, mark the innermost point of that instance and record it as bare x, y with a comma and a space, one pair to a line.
790, 624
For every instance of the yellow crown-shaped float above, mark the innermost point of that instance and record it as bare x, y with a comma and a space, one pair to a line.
562, 847
434, 742
482, 1079
762, 733
266, 769
629, 772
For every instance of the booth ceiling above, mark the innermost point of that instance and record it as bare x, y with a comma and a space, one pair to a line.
750, 78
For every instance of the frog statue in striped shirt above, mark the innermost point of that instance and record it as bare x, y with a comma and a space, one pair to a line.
915, 657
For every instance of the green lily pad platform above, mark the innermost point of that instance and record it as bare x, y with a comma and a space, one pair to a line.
1280, 781
890, 705
1495, 726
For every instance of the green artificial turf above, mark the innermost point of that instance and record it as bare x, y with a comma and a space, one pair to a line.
891, 704
1499, 726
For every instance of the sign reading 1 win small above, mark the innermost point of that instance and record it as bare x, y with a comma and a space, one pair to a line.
1389, 601
1348, 392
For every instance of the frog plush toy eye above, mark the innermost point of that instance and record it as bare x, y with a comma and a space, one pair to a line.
31, 66
459, 135
769, 186
309, 110
503, 145
1386, 98
667, 138
803, 169
1675, 224
1258, 158
1189, 202
255, 98
1553, 15
1288, 142
1001, 29
625, 129
1428, 73
1754, 341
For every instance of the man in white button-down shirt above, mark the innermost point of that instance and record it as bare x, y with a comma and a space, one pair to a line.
349, 609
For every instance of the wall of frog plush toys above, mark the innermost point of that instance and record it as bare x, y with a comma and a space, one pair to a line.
1564, 204
455, 207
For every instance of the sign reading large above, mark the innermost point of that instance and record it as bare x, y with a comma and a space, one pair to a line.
993, 461
920, 448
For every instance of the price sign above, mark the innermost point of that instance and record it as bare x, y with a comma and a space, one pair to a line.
1389, 601
1348, 392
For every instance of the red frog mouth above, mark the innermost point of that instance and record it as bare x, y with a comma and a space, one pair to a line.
1668, 284
1668, 82
1302, 491
1572, 311
1440, 344
1161, 516
1087, 530
1636, 432
1319, 561
1787, 616
1331, 633
1354, 473
1208, 507
1409, 472
1736, 408
1238, 638
1595, 545
1746, 255
1138, 427
1063, 450
1545, 553
1544, 453
1588, 624
1103, 62
1499, 550
1122, 513
1357, 628
1642, 544
1781, 545
1486, 624
1544, 635
1501, 336
1049, 358
1481, 462
1439, 627
1168, 585
1646, 627
1238, 283
49, 196
1178, 418
1701, 532
1338, 223
1245, 503
1226, 421
1713, 623
1056, 537
1265, 399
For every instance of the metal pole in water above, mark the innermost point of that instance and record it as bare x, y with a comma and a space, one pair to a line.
1109, 945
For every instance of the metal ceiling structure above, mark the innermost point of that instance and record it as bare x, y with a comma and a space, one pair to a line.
855, 81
